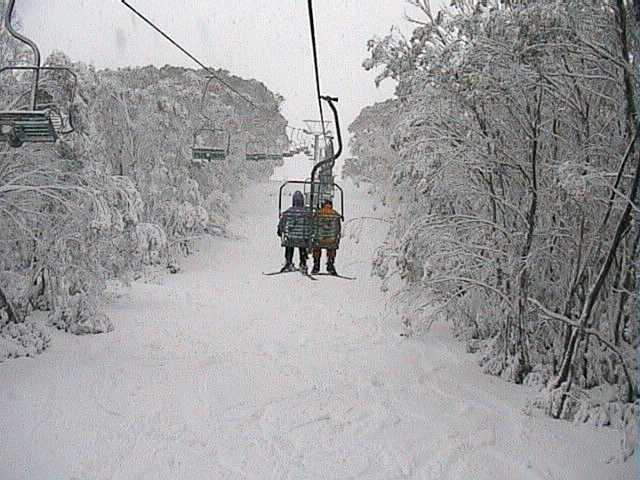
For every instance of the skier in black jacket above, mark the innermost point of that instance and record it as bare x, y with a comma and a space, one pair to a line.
297, 209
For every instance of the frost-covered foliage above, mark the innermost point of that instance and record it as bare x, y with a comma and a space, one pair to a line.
121, 192
513, 164
371, 142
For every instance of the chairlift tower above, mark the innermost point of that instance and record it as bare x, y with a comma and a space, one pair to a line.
314, 128
325, 188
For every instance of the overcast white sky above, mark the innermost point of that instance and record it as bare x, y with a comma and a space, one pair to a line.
263, 39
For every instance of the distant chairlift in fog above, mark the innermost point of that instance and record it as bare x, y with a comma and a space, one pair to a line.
255, 152
210, 144
258, 152
42, 121
274, 153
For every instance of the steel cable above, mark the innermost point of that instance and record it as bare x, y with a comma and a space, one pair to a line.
183, 50
315, 64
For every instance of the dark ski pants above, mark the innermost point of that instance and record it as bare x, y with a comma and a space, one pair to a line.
288, 255
331, 255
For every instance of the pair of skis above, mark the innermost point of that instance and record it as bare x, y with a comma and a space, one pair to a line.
293, 270
309, 275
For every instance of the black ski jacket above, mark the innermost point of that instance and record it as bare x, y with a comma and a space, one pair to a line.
296, 209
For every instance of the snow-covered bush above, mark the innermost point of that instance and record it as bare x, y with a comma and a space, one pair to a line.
23, 339
510, 154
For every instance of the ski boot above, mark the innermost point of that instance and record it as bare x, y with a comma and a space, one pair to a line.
303, 267
316, 266
288, 267
331, 269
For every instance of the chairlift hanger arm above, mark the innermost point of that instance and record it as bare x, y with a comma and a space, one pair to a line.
331, 101
30, 43
18, 35
204, 92
204, 95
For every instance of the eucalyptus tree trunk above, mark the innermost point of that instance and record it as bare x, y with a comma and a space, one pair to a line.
634, 20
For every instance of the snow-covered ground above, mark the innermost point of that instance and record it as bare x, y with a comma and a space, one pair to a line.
219, 372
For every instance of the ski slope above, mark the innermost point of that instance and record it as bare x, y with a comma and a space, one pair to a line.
219, 372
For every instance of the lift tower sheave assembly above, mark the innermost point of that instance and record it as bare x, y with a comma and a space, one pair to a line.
316, 130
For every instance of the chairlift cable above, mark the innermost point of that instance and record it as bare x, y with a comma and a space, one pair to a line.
183, 50
315, 64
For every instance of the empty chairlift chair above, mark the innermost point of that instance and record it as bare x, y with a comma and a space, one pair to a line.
272, 151
274, 155
289, 151
39, 122
210, 144
255, 152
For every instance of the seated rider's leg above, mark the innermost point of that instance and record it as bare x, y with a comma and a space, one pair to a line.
316, 260
288, 257
331, 257
288, 254
302, 252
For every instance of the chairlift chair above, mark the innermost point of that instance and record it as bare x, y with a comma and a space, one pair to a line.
311, 229
40, 123
274, 156
274, 151
208, 153
253, 153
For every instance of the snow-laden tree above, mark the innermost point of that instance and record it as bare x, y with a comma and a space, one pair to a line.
120, 193
514, 158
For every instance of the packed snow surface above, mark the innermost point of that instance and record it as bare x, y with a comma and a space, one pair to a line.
219, 372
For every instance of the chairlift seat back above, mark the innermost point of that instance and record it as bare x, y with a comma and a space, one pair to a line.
256, 157
326, 231
208, 154
297, 229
